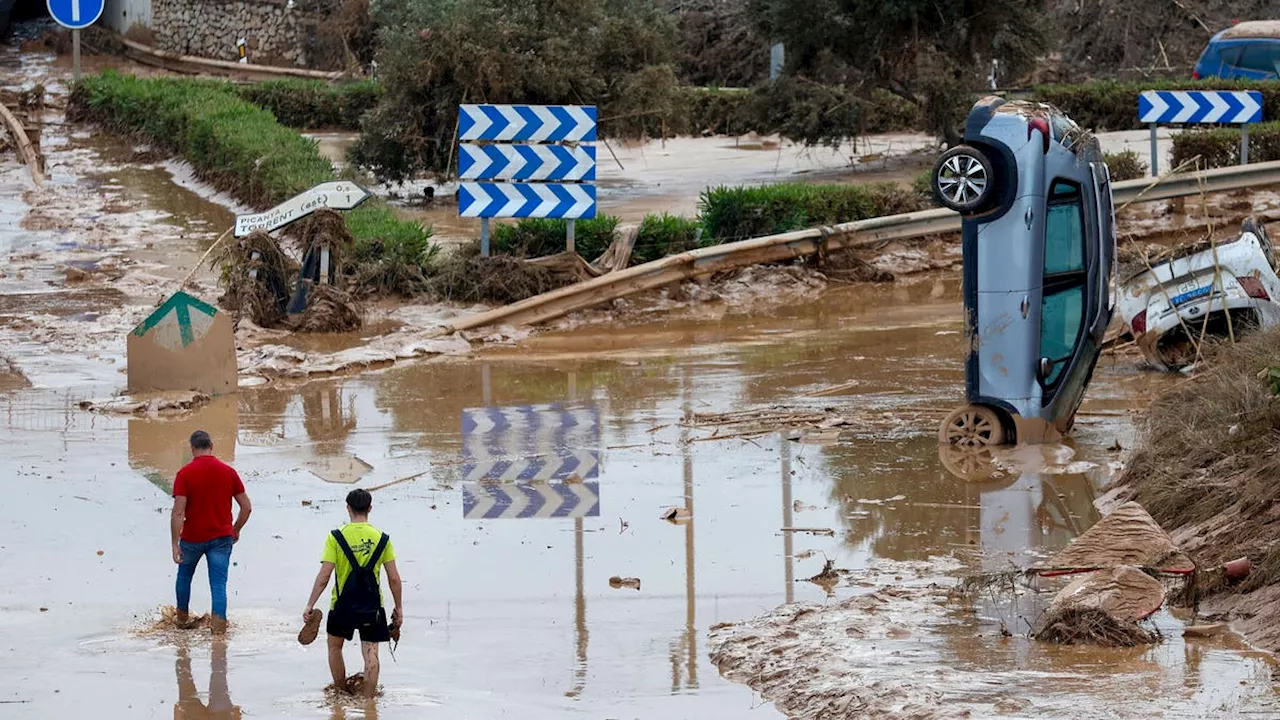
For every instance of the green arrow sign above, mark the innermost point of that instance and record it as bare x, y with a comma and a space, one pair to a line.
181, 319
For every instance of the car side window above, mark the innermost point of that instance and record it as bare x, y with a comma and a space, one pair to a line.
1061, 315
1260, 57
1230, 55
1064, 230
1062, 301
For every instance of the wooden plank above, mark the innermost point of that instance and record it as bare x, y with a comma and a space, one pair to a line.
26, 149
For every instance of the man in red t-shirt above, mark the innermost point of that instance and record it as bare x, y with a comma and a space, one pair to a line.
201, 524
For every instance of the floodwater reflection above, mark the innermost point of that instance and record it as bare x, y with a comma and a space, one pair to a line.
189, 705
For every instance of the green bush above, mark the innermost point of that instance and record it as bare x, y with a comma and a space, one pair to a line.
663, 235
1220, 147
538, 237
240, 148
1125, 165
738, 213
1111, 105
312, 104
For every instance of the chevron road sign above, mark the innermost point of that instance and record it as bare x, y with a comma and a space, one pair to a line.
493, 501
526, 162
1200, 106
527, 123
536, 200
530, 442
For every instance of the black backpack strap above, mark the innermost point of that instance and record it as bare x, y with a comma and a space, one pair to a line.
377, 552
346, 549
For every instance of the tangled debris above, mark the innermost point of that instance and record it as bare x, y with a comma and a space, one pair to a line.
11, 378
176, 401
815, 424
1206, 469
259, 278
463, 276
1103, 608
329, 310
256, 278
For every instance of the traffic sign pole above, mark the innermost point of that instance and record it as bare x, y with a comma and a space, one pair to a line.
484, 237
569, 235
1244, 144
1155, 153
75, 54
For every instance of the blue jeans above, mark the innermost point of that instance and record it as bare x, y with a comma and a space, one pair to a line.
218, 551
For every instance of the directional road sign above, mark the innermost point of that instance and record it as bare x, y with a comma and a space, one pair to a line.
530, 442
1167, 107
494, 501
76, 14
185, 344
536, 200
526, 162
527, 123
178, 322
335, 195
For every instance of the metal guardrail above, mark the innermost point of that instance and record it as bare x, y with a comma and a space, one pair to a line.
862, 233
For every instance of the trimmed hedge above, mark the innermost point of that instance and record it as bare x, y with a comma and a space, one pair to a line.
661, 235
1220, 147
1106, 105
738, 213
538, 237
314, 104
241, 149
1125, 165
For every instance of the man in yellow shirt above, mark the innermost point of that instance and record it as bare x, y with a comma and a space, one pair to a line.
358, 551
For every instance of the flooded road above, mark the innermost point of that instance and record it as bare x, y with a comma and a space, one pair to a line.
515, 617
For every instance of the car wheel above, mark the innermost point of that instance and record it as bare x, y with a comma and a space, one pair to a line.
962, 179
972, 426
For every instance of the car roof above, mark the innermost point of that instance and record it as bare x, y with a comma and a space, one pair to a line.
1261, 29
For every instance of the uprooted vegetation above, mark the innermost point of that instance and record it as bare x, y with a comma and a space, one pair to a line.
1206, 469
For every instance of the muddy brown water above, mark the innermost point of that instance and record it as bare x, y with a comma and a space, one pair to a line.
515, 617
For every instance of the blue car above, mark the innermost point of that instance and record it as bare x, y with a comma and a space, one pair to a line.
1247, 50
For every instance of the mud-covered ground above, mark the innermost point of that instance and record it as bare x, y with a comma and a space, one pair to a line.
516, 617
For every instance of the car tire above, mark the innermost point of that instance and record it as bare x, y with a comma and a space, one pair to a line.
962, 179
972, 426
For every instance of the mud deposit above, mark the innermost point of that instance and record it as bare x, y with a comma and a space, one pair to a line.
509, 608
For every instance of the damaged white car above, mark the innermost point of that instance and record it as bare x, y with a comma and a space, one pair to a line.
1203, 292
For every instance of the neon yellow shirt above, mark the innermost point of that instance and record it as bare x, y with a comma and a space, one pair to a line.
363, 539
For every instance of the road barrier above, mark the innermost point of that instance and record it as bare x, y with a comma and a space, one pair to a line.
799, 243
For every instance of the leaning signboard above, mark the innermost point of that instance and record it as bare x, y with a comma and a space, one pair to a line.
185, 344
335, 195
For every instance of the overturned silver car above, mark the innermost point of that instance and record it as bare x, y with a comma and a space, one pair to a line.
1222, 290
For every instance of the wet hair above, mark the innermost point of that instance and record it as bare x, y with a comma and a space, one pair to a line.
359, 501
200, 440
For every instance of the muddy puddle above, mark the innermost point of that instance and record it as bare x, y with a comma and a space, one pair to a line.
517, 614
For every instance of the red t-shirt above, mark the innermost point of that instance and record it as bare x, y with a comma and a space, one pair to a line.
209, 485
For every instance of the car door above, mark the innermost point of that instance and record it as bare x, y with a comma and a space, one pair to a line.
1107, 249
1258, 60
1066, 293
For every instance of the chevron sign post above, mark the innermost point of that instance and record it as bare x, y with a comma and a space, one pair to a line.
1176, 107
532, 161
492, 501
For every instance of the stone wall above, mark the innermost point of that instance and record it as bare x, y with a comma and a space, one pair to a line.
276, 31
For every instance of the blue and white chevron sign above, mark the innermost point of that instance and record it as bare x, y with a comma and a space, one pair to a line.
494, 501
526, 162
527, 123
521, 200
530, 442
1174, 107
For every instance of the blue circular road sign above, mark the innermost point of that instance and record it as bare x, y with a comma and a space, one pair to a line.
76, 14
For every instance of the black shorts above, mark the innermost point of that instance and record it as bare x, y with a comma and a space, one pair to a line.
340, 626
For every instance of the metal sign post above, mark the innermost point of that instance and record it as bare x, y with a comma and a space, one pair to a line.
535, 160
1183, 107
75, 15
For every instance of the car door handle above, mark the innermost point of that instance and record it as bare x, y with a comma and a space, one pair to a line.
1029, 217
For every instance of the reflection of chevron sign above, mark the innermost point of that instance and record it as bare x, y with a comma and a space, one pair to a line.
527, 123
526, 162
1200, 106
530, 442
533, 200
492, 501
